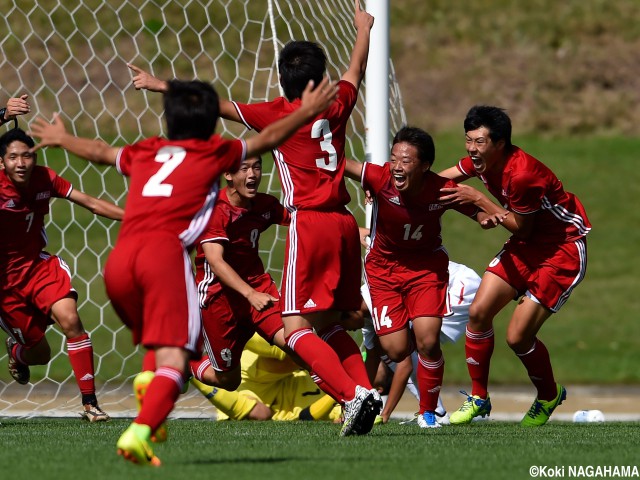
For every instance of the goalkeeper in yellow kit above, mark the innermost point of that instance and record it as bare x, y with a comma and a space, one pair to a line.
273, 387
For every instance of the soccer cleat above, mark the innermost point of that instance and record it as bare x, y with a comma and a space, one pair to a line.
140, 385
19, 371
359, 413
428, 420
134, 446
541, 410
93, 413
379, 420
473, 407
371, 409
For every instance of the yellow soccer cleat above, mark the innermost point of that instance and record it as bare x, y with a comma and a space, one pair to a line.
133, 445
473, 407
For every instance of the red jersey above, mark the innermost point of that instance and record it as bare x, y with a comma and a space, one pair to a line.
406, 227
239, 229
22, 234
527, 186
170, 179
311, 162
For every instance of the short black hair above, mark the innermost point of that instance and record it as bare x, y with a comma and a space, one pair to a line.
191, 110
494, 119
14, 135
421, 140
299, 62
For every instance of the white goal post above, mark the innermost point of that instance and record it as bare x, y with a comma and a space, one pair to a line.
70, 57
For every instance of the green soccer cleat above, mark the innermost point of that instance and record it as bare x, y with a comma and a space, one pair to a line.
541, 410
140, 385
473, 407
133, 445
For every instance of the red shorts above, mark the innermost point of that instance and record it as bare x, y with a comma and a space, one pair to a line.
150, 283
25, 308
403, 291
545, 273
229, 321
322, 266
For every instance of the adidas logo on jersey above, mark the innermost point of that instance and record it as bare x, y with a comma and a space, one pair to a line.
10, 204
395, 200
310, 304
86, 377
472, 361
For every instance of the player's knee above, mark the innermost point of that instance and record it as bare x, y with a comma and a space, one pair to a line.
518, 342
397, 354
479, 318
71, 326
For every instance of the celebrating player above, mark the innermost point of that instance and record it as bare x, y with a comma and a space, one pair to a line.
463, 284
406, 266
35, 287
540, 265
173, 187
322, 256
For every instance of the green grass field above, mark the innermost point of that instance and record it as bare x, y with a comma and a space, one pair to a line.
56, 449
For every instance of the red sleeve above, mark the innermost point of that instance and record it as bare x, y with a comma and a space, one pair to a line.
235, 152
60, 187
216, 231
343, 106
258, 115
123, 160
282, 215
375, 177
465, 165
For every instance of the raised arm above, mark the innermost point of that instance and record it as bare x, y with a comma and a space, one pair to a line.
143, 80
314, 101
55, 135
214, 254
96, 205
15, 106
360, 53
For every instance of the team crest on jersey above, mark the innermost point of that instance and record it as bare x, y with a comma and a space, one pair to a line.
434, 206
43, 195
395, 200
266, 215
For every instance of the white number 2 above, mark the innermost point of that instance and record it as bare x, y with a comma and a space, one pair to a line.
170, 158
321, 129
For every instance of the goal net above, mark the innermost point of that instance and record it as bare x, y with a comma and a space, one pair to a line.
70, 57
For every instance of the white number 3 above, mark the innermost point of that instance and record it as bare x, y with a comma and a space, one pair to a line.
170, 158
321, 129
